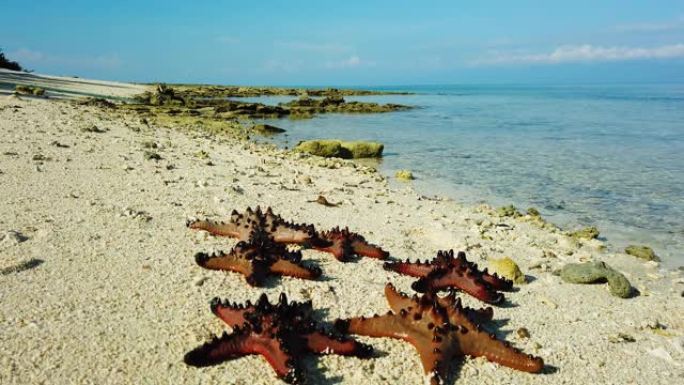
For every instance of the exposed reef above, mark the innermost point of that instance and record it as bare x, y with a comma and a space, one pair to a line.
332, 148
306, 106
210, 91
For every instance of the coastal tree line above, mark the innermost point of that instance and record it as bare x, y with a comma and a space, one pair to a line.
9, 64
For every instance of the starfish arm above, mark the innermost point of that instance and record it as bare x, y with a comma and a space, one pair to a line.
225, 229
340, 249
287, 233
466, 281
414, 269
361, 247
320, 343
226, 347
434, 361
478, 343
496, 282
232, 314
388, 325
240, 343
219, 261
291, 269
398, 300
462, 315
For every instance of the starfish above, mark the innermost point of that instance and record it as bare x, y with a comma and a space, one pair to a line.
243, 226
257, 259
447, 271
345, 244
282, 333
439, 332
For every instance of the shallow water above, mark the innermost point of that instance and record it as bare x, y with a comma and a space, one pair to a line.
610, 156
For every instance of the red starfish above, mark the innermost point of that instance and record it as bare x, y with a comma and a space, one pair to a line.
447, 271
282, 333
242, 227
345, 244
258, 259
439, 332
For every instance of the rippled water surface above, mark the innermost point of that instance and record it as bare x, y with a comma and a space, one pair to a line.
610, 156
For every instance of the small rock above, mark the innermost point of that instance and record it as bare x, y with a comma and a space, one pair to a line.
404, 175
11, 238
533, 212
200, 281
507, 268
591, 272
508, 211
523, 333
94, 129
641, 252
304, 179
151, 155
621, 337
58, 144
590, 232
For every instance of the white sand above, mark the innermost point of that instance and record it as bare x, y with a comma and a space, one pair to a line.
118, 298
62, 86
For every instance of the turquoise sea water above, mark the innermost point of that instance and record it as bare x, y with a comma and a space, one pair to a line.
604, 155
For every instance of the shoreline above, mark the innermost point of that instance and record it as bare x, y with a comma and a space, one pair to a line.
118, 298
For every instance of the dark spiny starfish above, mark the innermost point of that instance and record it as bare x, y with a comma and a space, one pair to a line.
440, 331
447, 271
346, 244
242, 227
259, 258
281, 332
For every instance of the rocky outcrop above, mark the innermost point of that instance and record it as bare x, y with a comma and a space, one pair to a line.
340, 149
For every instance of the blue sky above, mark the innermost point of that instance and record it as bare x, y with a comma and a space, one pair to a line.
350, 42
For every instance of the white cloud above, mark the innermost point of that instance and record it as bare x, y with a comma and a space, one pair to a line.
350, 62
652, 26
26, 55
585, 53
276, 65
227, 39
323, 48
31, 58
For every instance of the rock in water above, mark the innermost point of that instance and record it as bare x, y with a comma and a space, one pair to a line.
336, 148
592, 272
266, 129
642, 252
508, 211
507, 268
586, 233
404, 175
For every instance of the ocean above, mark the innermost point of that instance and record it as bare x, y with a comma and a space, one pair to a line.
610, 156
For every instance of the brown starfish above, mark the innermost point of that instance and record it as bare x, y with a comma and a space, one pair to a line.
344, 244
439, 332
447, 271
259, 258
242, 227
283, 333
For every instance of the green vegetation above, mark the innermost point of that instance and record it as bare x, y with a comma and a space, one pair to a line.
9, 64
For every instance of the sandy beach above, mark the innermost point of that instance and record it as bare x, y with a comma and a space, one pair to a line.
99, 284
